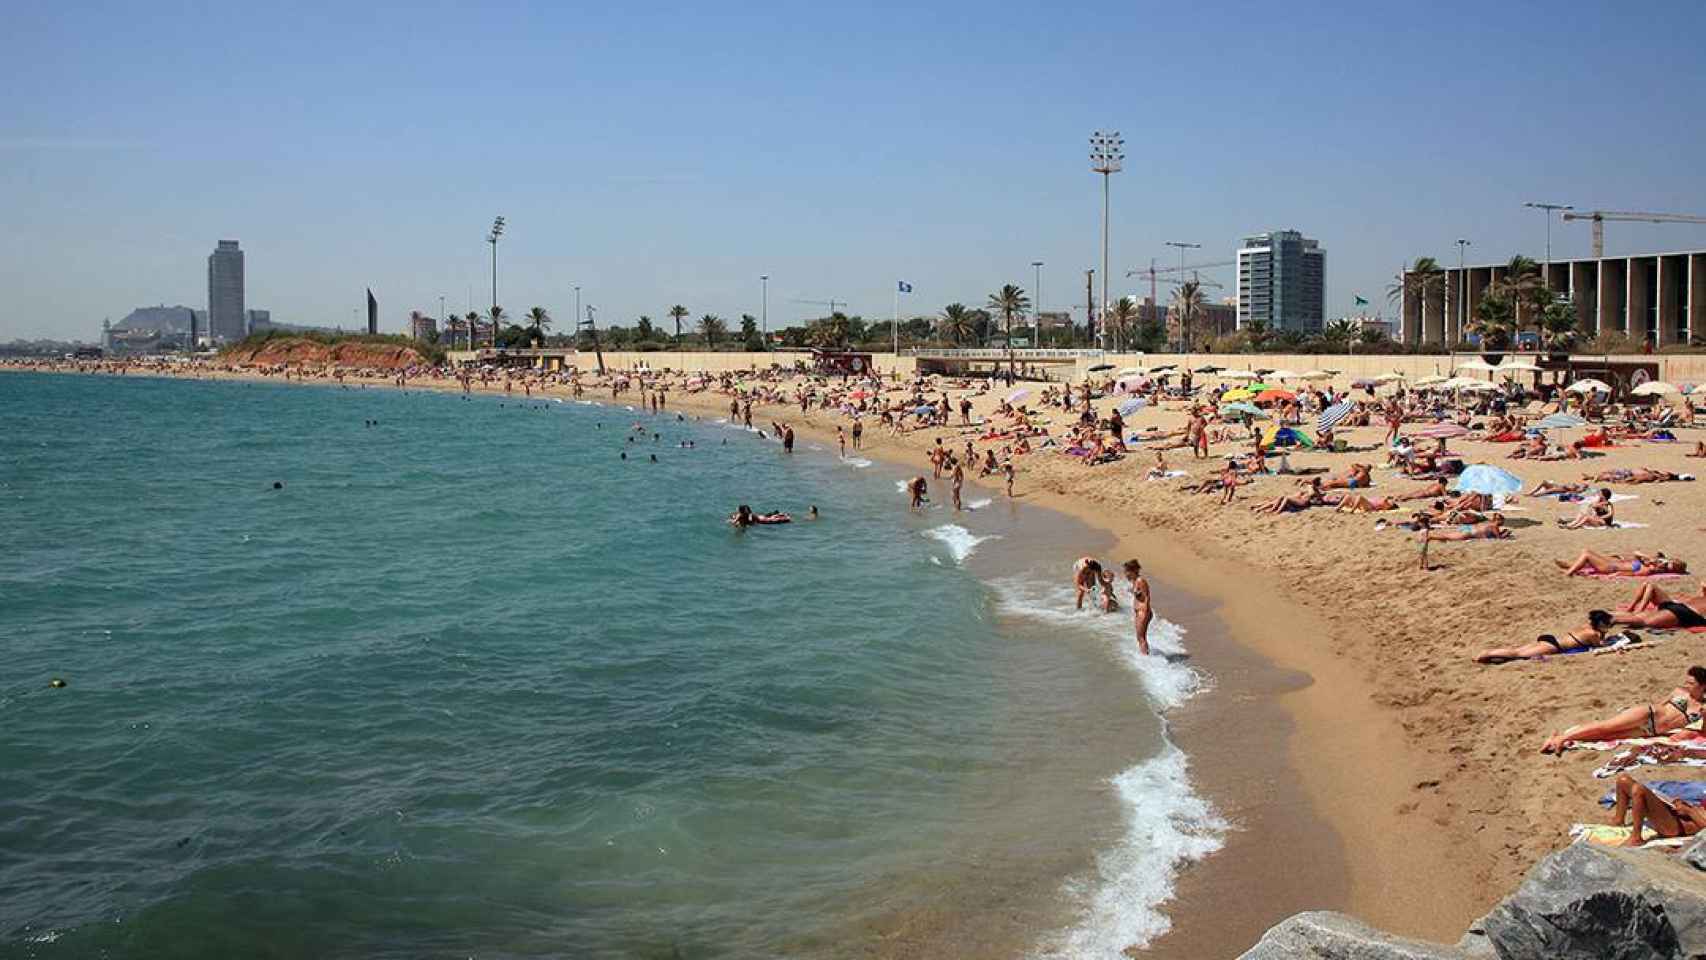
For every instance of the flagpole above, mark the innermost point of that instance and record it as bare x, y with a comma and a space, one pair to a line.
896, 327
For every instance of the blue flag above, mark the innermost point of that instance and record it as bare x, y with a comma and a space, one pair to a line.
905, 287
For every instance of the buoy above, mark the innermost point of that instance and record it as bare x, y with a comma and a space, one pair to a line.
278, 484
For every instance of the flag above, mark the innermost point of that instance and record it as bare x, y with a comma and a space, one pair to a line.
905, 287
1361, 302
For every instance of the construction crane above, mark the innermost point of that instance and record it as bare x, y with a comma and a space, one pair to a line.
1600, 216
1154, 273
830, 303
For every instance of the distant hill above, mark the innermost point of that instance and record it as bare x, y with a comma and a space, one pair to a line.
351, 350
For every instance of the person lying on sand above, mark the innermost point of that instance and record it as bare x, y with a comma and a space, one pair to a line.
1657, 610
1638, 475
1491, 528
1594, 633
1359, 503
1300, 501
1427, 491
1357, 477
1593, 563
1592, 513
1682, 708
1644, 806
1547, 488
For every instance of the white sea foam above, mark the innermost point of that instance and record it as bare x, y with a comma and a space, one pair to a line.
1167, 825
858, 462
978, 504
960, 541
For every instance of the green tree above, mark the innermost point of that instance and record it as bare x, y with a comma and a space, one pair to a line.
957, 323
1370, 336
643, 329
1122, 319
1495, 319
1010, 301
1339, 334
1558, 325
678, 313
473, 321
495, 318
749, 332
1187, 310
538, 320
1526, 289
1258, 334
711, 327
829, 332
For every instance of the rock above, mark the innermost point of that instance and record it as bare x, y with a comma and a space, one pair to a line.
1322, 935
1695, 855
1588, 901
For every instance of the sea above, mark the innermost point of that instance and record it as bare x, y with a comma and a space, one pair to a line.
375, 673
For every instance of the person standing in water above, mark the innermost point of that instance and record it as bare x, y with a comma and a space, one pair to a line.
959, 479
1140, 610
858, 434
917, 488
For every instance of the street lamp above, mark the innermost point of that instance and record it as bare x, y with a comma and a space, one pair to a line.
1107, 152
1462, 288
1547, 208
492, 238
1037, 326
764, 311
1184, 328
577, 302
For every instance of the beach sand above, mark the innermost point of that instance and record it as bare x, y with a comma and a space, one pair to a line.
1423, 766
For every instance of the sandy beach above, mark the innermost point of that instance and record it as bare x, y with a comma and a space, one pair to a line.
1414, 772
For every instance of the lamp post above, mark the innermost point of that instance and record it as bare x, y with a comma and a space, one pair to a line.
1184, 326
1107, 151
1547, 208
578, 313
493, 238
1462, 288
1037, 312
764, 312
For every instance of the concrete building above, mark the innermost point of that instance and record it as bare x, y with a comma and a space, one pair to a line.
1655, 298
1282, 281
259, 320
225, 316
422, 327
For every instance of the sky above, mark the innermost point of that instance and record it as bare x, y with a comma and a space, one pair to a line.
657, 153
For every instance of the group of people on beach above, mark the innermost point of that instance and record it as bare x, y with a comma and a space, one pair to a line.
1091, 580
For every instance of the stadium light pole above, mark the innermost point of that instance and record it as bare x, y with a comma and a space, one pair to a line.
1184, 332
1107, 152
493, 238
1547, 209
1462, 287
578, 313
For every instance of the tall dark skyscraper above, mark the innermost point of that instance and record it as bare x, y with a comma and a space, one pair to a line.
226, 319
1282, 281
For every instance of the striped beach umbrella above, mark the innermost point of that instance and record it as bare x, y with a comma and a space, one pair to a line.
1334, 415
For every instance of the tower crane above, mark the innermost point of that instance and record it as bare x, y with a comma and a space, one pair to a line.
1154, 273
1600, 216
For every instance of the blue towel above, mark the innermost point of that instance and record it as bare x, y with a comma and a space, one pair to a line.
1694, 791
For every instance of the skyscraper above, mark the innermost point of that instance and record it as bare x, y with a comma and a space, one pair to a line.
1282, 281
225, 317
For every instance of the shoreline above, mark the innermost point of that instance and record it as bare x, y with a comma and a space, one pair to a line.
1306, 835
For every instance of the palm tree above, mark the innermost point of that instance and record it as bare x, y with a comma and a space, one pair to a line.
1009, 301
957, 322
678, 312
1122, 319
1423, 278
540, 321
712, 327
1526, 288
1558, 321
496, 317
1495, 318
1341, 332
1257, 332
1187, 308
473, 321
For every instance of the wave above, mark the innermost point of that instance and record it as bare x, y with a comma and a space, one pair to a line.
856, 462
960, 541
1167, 825
978, 504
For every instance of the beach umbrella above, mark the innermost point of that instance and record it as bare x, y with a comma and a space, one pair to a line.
1208, 369
1018, 395
1393, 377
1478, 365
1490, 480
1334, 415
1518, 365
1098, 368
1133, 372
1477, 385
1589, 385
1236, 395
1283, 375
1278, 436
1654, 388
1271, 396
1163, 368
1560, 421
1238, 375
1430, 381
1441, 431
1315, 375
1240, 408
1131, 406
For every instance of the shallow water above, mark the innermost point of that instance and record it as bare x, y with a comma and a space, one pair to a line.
471, 684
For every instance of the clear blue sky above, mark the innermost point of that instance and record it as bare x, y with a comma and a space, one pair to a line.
659, 154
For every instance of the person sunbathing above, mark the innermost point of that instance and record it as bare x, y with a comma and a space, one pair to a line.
1427, 491
1471, 501
1593, 563
1292, 504
1533, 448
1681, 709
1644, 806
1699, 450
1360, 503
1657, 610
1493, 528
1592, 513
1547, 488
1638, 475
1357, 477
1595, 633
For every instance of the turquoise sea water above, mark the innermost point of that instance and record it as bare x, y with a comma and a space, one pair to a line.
472, 685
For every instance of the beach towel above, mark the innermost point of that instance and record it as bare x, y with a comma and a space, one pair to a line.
1694, 791
1631, 576
1644, 755
1169, 475
1606, 835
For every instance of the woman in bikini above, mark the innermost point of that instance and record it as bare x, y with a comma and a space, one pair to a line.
1490, 529
1301, 501
1087, 576
1141, 611
1593, 563
1682, 708
1656, 610
1643, 805
1593, 634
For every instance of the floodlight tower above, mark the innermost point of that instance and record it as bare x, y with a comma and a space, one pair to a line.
1107, 153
